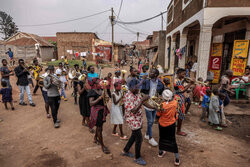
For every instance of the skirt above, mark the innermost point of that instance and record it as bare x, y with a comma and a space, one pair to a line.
167, 141
84, 106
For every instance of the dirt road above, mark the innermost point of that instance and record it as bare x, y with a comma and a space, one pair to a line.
28, 139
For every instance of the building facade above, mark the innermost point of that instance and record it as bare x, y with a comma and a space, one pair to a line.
75, 42
28, 46
196, 28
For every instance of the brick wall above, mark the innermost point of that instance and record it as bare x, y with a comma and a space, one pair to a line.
180, 16
80, 42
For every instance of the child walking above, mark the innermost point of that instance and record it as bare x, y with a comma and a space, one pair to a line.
205, 104
214, 110
116, 114
6, 95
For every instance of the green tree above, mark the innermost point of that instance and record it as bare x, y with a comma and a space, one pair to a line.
7, 25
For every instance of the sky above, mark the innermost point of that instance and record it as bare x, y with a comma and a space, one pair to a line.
33, 12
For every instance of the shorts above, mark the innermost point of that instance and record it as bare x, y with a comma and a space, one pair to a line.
45, 96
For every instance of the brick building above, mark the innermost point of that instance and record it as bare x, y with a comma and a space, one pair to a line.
75, 41
198, 26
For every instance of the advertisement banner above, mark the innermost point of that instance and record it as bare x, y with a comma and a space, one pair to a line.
240, 49
216, 76
238, 66
217, 49
215, 63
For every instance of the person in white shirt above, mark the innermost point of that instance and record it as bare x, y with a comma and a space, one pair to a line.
61, 73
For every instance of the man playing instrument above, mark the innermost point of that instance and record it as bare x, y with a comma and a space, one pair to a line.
23, 83
53, 94
151, 87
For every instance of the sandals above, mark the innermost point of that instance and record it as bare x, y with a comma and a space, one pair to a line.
181, 133
105, 150
115, 134
124, 138
218, 128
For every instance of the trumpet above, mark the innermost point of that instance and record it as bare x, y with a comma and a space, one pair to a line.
195, 82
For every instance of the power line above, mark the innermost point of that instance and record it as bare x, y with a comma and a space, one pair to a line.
66, 21
141, 21
98, 25
119, 10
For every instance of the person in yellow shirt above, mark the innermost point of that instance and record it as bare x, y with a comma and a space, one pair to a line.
66, 63
36, 69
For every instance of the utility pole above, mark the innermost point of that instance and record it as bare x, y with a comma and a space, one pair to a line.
112, 18
137, 36
161, 21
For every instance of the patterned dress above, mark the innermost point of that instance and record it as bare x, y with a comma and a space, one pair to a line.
180, 97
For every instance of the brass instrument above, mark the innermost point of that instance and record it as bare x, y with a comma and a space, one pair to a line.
56, 81
73, 74
124, 91
195, 82
104, 83
155, 101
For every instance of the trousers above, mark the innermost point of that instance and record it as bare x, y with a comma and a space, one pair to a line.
54, 103
137, 138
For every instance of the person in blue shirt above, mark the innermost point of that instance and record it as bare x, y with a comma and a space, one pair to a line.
84, 63
91, 73
11, 55
205, 105
144, 72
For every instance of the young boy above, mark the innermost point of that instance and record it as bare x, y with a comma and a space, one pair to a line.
214, 110
144, 72
205, 104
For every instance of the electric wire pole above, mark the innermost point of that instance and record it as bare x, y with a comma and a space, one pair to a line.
138, 36
162, 21
112, 18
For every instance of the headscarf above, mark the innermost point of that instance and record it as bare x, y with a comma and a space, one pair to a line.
167, 95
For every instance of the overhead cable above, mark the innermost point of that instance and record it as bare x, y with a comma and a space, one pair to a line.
66, 21
119, 10
141, 21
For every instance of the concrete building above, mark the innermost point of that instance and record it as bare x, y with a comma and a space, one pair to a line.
74, 41
28, 46
196, 27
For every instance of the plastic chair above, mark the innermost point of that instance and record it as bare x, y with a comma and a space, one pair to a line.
242, 87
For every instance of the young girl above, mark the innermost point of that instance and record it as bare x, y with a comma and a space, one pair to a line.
83, 89
116, 115
168, 117
6, 95
98, 113
214, 110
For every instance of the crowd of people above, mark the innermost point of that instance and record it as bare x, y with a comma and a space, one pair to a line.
128, 96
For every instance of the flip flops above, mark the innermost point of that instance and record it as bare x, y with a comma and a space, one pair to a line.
115, 134
181, 133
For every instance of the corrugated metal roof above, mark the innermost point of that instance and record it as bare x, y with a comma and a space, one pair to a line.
28, 40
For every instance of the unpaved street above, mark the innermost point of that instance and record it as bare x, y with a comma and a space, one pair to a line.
28, 139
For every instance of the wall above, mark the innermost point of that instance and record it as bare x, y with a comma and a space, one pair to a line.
47, 53
81, 42
228, 3
161, 48
179, 15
